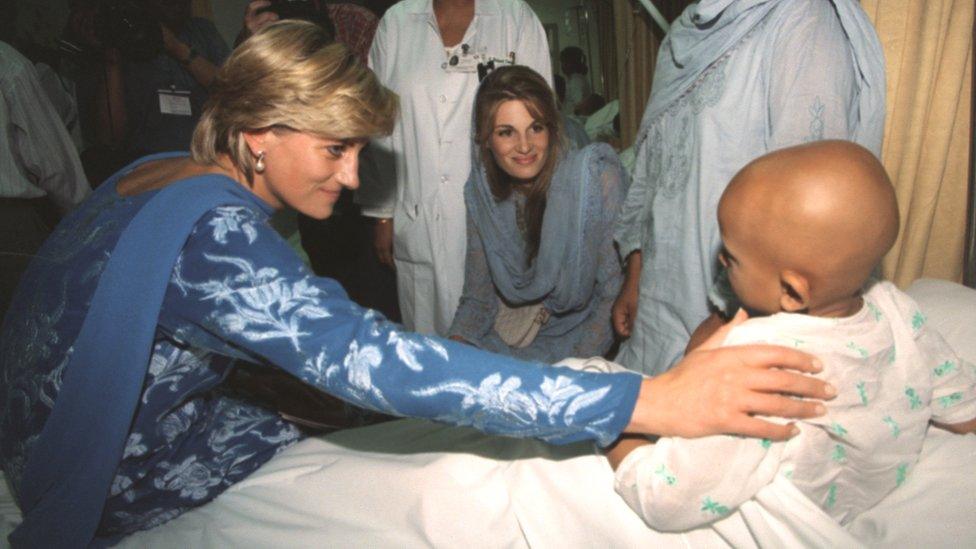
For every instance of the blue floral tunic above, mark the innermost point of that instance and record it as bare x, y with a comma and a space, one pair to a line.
237, 294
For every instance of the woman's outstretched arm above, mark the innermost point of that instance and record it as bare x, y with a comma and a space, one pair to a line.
239, 289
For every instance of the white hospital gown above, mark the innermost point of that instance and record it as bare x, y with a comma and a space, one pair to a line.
893, 376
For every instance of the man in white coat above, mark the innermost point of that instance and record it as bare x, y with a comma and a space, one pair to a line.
430, 53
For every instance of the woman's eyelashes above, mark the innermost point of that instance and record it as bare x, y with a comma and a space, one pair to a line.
508, 132
336, 151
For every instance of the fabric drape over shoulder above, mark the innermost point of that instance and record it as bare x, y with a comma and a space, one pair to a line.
70, 471
709, 30
576, 270
565, 267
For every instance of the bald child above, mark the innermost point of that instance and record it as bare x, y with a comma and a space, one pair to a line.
803, 228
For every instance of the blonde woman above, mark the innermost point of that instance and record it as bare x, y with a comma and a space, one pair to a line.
112, 356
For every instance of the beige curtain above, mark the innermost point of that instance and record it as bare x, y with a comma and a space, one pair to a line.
608, 49
928, 55
636, 48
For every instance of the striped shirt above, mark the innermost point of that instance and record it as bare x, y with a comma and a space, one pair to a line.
37, 156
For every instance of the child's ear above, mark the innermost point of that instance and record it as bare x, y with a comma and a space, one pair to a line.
794, 293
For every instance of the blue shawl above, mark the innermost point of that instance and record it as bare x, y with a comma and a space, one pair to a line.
711, 28
564, 269
69, 473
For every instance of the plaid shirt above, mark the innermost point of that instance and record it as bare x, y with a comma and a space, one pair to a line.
355, 27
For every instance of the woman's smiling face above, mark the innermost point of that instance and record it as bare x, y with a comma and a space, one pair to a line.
306, 172
519, 142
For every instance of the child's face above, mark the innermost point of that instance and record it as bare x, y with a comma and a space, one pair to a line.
753, 278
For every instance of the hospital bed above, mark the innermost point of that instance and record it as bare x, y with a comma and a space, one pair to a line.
412, 483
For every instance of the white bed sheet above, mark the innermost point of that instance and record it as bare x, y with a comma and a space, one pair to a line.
412, 483
417, 484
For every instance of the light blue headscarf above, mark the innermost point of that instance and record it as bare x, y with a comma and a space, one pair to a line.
564, 269
709, 29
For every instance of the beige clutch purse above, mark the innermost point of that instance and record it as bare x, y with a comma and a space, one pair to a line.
518, 326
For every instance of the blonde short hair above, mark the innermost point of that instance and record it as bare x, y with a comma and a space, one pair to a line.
290, 75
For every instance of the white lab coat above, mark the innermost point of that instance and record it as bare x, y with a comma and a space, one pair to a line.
429, 153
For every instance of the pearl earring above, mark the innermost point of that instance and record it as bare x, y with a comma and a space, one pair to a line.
259, 163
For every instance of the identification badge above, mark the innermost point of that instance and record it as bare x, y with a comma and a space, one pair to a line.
492, 63
176, 102
463, 60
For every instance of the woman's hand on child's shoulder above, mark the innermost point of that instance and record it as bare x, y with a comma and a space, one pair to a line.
716, 390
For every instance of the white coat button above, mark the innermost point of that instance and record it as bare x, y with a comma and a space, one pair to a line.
443, 179
443, 98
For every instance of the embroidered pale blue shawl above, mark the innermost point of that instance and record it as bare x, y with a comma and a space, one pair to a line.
709, 29
564, 269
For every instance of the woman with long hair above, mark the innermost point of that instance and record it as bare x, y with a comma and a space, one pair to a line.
541, 271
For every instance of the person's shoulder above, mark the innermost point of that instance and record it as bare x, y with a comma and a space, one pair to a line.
884, 288
10, 55
885, 295
349, 10
510, 8
398, 18
787, 329
12, 62
405, 8
601, 163
505, 5
232, 225
806, 8
811, 14
597, 153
